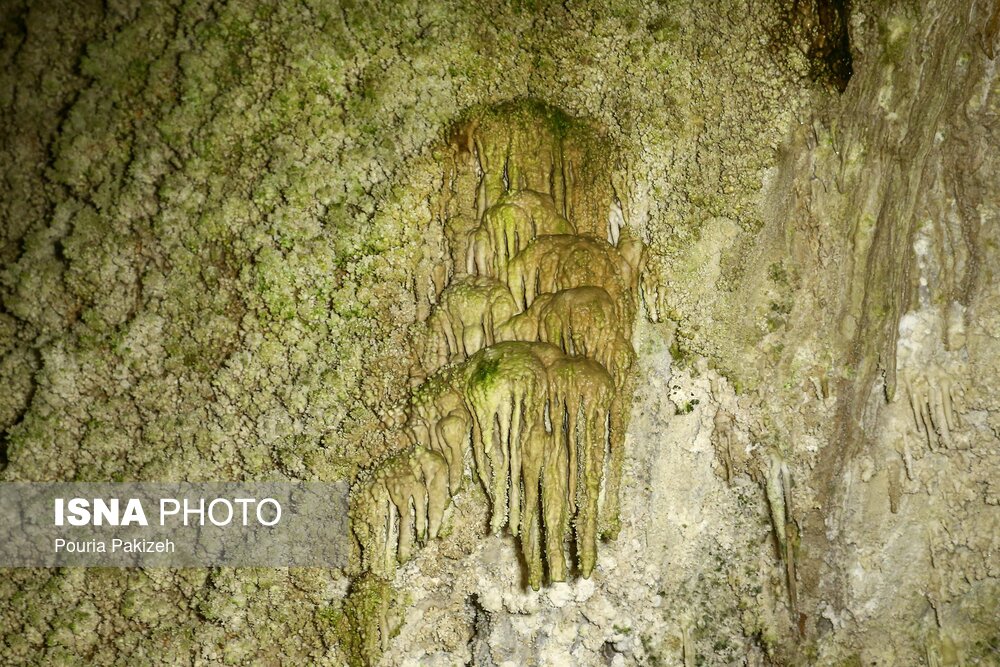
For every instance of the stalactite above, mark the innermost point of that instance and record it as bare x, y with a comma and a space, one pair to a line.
653, 295
440, 421
466, 316
406, 498
931, 395
505, 388
778, 489
553, 263
528, 356
581, 392
609, 520
508, 226
723, 437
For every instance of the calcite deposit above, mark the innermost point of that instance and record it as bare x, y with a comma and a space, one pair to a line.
530, 356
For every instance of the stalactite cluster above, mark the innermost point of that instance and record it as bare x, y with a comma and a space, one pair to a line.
524, 374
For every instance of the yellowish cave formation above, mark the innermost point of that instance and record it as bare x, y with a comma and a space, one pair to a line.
439, 419
508, 226
528, 361
466, 317
405, 497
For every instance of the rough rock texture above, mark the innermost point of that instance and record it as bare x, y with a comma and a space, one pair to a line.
217, 227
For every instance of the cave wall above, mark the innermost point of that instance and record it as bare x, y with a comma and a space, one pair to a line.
216, 219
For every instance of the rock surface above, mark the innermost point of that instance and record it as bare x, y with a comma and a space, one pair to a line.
219, 233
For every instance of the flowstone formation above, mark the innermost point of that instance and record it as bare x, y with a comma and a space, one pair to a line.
522, 383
